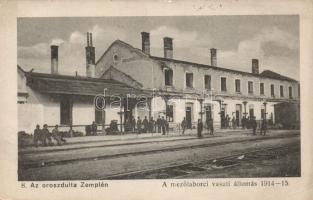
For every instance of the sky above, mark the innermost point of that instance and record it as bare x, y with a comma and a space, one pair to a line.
273, 39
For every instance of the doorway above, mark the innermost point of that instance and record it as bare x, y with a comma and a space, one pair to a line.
66, 106
128, 113
208, 112
251, 113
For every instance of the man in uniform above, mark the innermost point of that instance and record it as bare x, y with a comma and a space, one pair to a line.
46, 135
199, 128
94, 128
133, 124
145, 124
233, 122
210, 126
243, 122
163, 125
151, 125
227, 121
253, 124
56, 135
37, 134
158, 123
139, 125
71, 132
167, 126
263, 126
183, 125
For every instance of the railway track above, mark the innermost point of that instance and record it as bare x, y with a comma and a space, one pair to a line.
184, 170
23, 165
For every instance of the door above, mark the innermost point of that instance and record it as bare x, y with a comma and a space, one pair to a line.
66, 111
251, 112
188, 117
208, 113
128, 114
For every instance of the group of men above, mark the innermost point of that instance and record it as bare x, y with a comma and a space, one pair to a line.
45, 136
247, 123
250, 122
209, 124
149, 125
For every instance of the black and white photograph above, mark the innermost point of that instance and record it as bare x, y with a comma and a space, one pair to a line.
159, 97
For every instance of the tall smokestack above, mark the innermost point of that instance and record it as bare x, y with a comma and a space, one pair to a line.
88, 39
54, 59
90, 35
168, 47
145, 41
213, 57
255, 66
90, 57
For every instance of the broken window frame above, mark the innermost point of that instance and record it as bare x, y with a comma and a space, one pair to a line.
262, 89
189, 80
207, 82
250, 87
223, 84
168, 77
237, 86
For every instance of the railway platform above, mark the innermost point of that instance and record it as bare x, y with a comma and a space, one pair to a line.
132, 139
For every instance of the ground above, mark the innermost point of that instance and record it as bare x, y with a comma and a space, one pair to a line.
229, 153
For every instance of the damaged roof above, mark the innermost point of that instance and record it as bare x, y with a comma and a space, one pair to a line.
274, 75
76, 85
264, 74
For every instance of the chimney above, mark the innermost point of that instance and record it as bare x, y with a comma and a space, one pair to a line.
54, 59
145, 40
255, 66
90, 57
213, 57
168, 47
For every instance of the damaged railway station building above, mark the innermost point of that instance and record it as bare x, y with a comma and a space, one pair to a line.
138, 84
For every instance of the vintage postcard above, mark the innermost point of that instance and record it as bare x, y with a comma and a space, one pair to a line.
158, 100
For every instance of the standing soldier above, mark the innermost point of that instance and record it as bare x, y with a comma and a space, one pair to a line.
139, 125
199, 128
227, 121
210, 126
133, 124
233, 121
248, 122
253, 124
145, 124
167, 127
263, 126
243, 122
46, 135
37, 133
158, 123
163, 125
183, 125
151, 125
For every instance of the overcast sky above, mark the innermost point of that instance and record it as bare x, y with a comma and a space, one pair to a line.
274, 40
